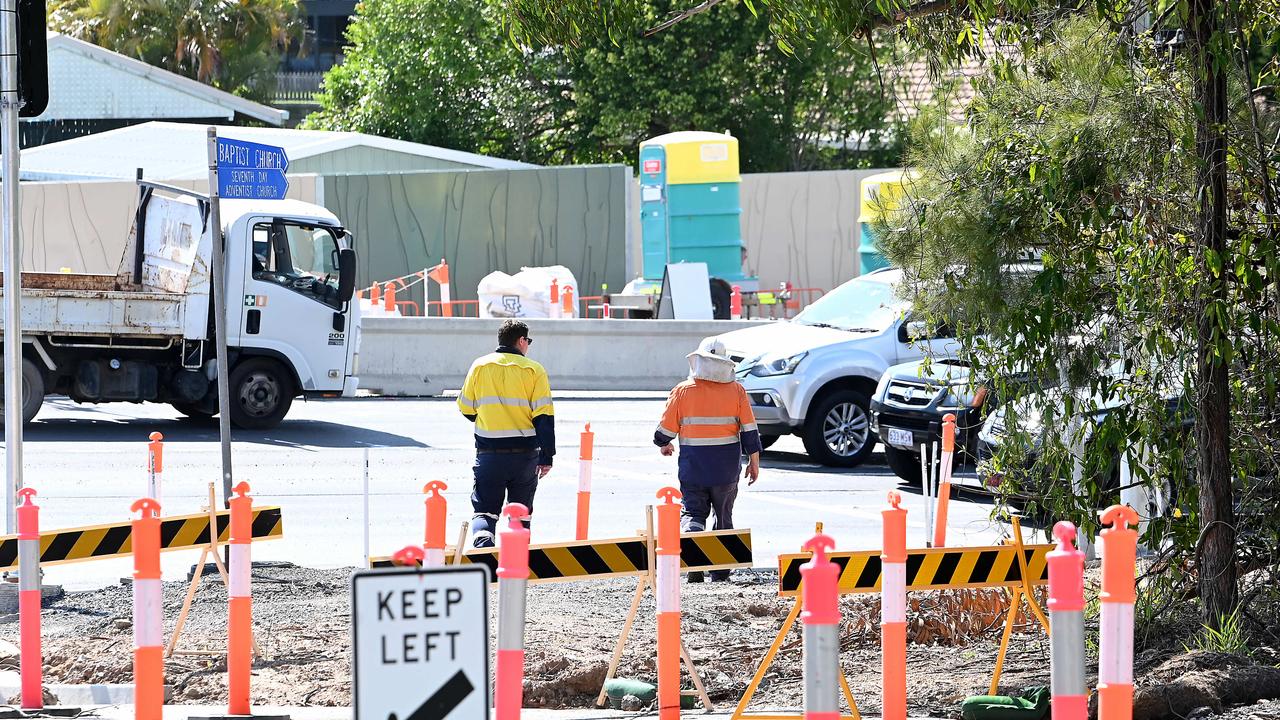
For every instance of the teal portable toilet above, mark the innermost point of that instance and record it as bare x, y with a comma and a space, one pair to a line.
689, 203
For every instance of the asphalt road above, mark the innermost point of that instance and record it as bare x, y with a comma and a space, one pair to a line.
88, 464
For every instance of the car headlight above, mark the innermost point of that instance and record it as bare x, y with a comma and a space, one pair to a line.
964, 396
770, 365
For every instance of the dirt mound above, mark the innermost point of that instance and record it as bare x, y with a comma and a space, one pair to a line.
1188, 682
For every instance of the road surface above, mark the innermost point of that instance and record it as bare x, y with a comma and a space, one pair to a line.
88, 464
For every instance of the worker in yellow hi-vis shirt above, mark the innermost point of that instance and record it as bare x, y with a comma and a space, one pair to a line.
508, 397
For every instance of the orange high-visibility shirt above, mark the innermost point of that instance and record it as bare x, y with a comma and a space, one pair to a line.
715, 427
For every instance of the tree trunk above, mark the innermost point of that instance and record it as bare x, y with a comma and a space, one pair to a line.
1215, 554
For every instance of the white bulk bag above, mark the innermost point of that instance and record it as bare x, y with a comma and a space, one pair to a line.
527, 294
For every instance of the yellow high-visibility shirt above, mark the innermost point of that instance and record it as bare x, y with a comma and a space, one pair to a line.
509, 396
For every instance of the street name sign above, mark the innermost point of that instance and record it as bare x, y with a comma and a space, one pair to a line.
249, 170
420, 643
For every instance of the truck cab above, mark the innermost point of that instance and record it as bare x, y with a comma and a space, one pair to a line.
146, 334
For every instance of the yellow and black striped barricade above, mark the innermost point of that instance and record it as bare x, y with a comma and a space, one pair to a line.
928, 569
620, 557
113, 540
1014, 567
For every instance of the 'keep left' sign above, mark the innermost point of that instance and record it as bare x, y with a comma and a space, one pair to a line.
421, 643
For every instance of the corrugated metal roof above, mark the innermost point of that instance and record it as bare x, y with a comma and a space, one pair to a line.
178, 151
87, 82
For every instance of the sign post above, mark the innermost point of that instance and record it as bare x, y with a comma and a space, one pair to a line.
420, 639
10, 104
237, 170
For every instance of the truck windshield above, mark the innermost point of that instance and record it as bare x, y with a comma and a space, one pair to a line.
301, 257
862, 304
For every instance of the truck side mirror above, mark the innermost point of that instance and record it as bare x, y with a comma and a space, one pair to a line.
346, 274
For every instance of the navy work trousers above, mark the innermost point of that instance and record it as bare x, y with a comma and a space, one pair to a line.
500, 478
699, 501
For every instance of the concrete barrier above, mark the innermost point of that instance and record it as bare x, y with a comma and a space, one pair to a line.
427, 356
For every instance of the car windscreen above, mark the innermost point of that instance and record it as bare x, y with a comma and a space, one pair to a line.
860, 304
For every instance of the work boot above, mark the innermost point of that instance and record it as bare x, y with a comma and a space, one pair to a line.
695, 577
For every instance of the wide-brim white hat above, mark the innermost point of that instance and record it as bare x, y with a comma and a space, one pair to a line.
712, 349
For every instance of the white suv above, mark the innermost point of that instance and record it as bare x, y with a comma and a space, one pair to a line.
814, 375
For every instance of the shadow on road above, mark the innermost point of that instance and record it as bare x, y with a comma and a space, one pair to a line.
107, 425
781, 459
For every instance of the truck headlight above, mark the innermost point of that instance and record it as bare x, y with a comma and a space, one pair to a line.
770, 365
959, 397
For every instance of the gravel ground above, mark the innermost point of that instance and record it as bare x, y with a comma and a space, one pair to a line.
303, 624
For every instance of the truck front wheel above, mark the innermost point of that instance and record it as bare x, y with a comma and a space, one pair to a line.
261, 393
32, 392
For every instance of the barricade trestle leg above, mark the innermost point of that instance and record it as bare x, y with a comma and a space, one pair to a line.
797, 606
208, 550
646, 581
1013, 567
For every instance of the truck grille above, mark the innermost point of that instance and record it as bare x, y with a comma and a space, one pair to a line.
906, 422
911, 394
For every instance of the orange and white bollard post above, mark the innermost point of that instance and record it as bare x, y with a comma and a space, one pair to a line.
821, 618
1115, 631
944, 482
155, 464
389, 296
586, 449
668, 592
893, 611
437, 515
240, 606
1070, 695
30, 656
566, 302
513, 577
148, 612
440, 274
735, 303
375, 294
553, 302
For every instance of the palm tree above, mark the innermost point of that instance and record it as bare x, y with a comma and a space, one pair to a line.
234, 45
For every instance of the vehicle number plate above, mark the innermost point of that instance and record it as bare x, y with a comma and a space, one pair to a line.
901, 437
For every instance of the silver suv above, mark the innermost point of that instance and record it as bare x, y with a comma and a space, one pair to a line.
814, 375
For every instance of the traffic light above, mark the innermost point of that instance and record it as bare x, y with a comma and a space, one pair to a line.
33, 58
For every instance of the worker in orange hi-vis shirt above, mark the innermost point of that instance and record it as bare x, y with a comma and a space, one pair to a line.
710, 415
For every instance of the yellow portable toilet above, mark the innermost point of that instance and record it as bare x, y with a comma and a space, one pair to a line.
689, 203
881, 193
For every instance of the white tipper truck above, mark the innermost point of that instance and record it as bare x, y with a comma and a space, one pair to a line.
146, 333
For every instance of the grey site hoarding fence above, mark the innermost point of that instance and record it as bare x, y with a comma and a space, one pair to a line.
486, 220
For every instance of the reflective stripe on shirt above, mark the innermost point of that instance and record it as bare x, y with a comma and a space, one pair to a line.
493, 434
710, 420
729, 440
498, 400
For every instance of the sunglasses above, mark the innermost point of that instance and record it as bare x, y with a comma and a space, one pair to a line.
528, 339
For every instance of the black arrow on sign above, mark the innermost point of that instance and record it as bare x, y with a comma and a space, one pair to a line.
443, 701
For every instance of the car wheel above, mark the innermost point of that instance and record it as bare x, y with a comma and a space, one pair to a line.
32, 392
261, 394
838, 431
904, 463
767, 441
